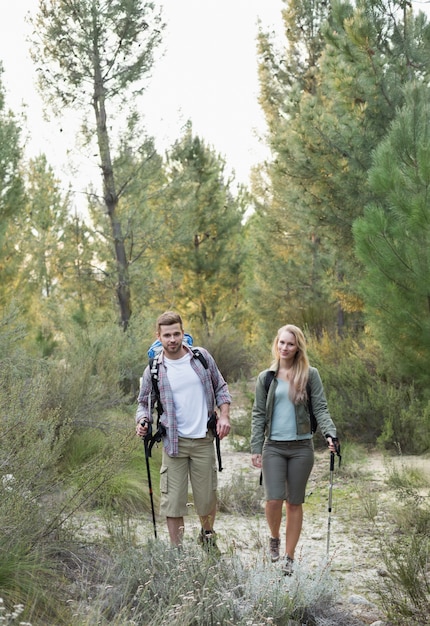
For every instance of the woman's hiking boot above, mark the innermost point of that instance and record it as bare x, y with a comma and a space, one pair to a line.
207, 539
274, 544
287, 565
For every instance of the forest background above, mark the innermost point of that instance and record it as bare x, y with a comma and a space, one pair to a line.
332, 234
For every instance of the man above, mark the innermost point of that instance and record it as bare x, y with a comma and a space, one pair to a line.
189, 393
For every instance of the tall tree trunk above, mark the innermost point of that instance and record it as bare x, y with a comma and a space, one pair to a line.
110, 196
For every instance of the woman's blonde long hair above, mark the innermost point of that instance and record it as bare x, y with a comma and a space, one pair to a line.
300, 369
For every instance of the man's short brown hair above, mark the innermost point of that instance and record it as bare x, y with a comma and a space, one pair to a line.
168, 318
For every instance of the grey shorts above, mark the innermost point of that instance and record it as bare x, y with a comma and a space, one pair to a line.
196, 460
286, 469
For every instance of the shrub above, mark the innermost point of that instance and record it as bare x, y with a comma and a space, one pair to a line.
240, 496
229, 351
160, 585
366, 398
405, 591
241, 414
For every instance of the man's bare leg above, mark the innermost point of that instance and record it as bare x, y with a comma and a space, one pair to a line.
208, 521
175, 526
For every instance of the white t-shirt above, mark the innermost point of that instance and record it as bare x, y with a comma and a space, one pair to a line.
188, 398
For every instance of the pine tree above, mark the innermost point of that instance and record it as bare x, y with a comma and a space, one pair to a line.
334, 113
393, 238
202, 253
38, 238
286, 282
98, 53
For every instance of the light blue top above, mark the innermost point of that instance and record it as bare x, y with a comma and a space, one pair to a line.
284, 426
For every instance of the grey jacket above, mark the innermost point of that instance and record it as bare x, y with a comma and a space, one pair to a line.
262, 411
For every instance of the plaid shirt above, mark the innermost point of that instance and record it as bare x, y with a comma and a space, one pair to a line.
215, 387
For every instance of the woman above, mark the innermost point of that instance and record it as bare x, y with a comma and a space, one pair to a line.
281, 439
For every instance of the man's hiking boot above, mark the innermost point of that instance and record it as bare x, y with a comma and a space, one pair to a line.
207, 539
274, 543
287, 565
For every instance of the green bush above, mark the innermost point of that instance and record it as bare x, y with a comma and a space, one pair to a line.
366, 398
405, 591
227, 347
51, 467
241, 414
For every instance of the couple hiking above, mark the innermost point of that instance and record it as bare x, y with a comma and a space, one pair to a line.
189, 388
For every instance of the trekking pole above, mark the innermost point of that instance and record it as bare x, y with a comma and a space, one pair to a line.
146, 443
212, 425
330, 489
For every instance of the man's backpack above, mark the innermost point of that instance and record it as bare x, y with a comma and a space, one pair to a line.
153, 353
270, 375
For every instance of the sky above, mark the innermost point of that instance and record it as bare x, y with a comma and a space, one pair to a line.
208, 74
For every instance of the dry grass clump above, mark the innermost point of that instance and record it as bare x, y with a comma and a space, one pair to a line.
240, 496
157, 585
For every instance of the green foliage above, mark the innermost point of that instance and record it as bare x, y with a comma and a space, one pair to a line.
283, 281
11, 195
411, 486
407, 427
202, 254
405, 591
392, 238
329, 101
123, 37
127, 494
98, 54
29, 582
51, 466
366, 397
100, 364
141, 176
233, 358
406, 476
30, 448
243, 398
110, 470
11, 188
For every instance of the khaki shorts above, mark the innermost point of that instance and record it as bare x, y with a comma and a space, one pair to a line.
196, 460
286, 469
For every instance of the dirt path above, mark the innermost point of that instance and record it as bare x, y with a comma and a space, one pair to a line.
354, 560
354, 556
